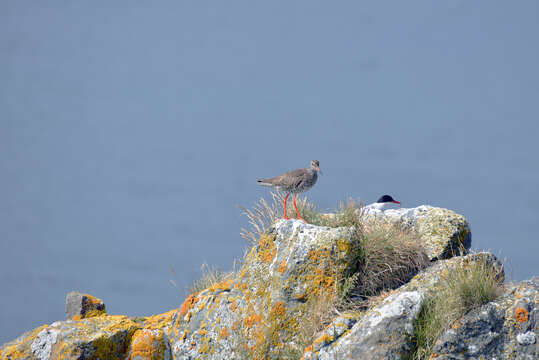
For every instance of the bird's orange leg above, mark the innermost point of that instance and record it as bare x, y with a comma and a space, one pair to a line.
284, 215
299, 216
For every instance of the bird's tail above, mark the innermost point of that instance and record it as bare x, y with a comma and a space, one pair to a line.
265, 182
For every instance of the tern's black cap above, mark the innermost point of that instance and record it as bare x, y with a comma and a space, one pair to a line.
385, 198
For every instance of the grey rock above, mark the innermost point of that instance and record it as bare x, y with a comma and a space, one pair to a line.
384, 332
502, 329
42, 345
444, 232
80, 306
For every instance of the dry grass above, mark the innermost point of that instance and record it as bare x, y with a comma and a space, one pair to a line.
465, 289
210, 276
388, 258
390, 254
391, 257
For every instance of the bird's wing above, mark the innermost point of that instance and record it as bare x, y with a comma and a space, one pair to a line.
292, 179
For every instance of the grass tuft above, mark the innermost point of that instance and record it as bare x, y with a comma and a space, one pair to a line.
465, 289
210, 277
391, 257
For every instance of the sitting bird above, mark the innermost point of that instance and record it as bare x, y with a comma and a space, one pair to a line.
294, 182
384, 202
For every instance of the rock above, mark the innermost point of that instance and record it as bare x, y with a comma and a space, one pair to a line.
291, 264
444, 232
80, 306
261, 312
502, 329
103, 337
384, 332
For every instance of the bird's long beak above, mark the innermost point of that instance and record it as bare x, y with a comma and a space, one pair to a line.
396, 202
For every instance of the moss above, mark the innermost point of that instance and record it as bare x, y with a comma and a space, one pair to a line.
94, 313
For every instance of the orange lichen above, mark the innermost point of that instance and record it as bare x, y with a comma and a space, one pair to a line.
159, 321
326, 339
21, 348
225, 285
521, 314
224, 333
319, 255
266, 248
279, 309
251, 320
188, 304
147, 344
282, 267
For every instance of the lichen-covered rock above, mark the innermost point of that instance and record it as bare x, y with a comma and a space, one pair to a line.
503, 329
292, 263
444, 232
258, 314
384, 332
80, 306
103, 337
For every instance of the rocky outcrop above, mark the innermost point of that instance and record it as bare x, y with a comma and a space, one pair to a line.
258, 313
101, 337
503, 329
291, 264
385, 331
444, 232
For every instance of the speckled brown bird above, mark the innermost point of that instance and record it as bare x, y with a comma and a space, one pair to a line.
294, 182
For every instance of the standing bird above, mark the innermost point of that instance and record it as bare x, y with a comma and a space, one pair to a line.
384, 202
294, 182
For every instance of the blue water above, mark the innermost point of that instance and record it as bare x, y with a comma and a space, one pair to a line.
129, 134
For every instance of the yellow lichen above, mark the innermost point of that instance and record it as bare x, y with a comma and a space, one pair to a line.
266, 248
251, 320
94, 313
147, 344
224, 333
279, 309
326, 339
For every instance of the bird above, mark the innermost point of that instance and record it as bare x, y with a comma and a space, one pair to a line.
294, 182
383, 203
